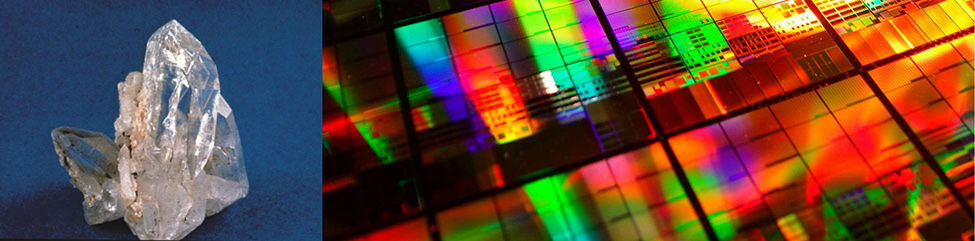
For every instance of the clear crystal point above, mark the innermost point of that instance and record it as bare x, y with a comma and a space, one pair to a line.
91, 160
178, 150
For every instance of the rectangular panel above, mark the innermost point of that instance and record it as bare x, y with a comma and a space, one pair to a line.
474, 221
467, 20
814, 134
799, 109
926, 202
909, 30
781, 176
869, 213
506, 88
727, 8
953, 80
845, 93
896, 74
927, 25
890, 8
749, 35
885, 147
791, 20
913, 96
531, 90
686, 19
957, 14
737, 211
346, 17
705, 51
409, 230
614, 6
846, 16
699, 143
861, 115
766, 151
713, 170
937, 59
966, 47
672, 8
750, 126
942, 19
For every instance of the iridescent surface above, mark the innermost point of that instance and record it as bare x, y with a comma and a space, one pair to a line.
525, 120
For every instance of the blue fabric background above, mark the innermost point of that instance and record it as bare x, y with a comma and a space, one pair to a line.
60, 62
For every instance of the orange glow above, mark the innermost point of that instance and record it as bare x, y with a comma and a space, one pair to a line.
698, 143
717, 101
792, 19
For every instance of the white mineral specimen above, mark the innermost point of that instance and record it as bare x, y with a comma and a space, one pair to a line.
92, 161
176, 157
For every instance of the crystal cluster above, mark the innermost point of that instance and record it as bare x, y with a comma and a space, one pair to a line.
176, 157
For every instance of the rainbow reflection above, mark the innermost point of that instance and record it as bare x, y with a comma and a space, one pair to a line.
375, 121
826, 162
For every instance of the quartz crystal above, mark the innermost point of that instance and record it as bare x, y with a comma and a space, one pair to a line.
176, 157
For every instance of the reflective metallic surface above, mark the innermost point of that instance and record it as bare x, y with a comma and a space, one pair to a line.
646, 120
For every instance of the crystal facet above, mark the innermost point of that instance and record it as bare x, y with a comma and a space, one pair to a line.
92, 161
176, 157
